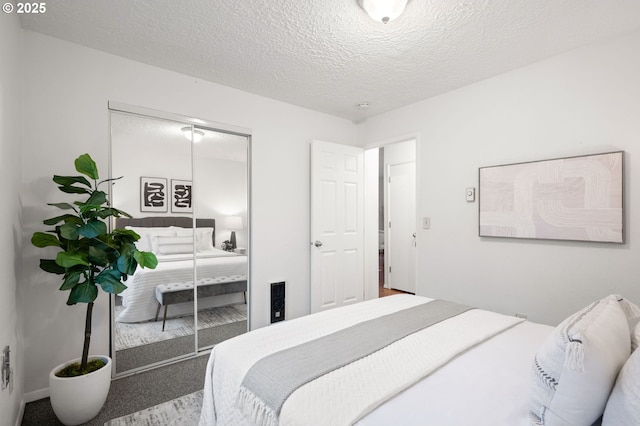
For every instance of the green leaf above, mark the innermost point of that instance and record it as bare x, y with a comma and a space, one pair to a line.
98, 256
70, 231
49, 265
71, 180
65, 217
67, 260
86, 166
63, 206
126, 264
74, 190
98, 198
146, 259
83, 293
71, 280
110, 211
125, 235
42, 239
110, 282
93, 229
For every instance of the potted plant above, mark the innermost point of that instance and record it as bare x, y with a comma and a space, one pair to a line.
90, 257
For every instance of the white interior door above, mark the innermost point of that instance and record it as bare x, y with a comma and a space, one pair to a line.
401, 227
337, 225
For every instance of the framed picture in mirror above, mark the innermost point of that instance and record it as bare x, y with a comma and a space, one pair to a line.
181, 196
153, 194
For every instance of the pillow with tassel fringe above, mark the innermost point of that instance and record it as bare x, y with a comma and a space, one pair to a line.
576, 368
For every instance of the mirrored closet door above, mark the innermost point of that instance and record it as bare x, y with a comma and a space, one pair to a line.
186, 188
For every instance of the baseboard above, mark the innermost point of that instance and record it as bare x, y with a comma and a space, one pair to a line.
20, 412
36, 395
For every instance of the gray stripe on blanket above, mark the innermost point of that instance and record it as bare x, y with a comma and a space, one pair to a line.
275, 377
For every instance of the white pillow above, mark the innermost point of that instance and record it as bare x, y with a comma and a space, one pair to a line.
576, 367
623, 407
172, 244
204, 237
147, 233
632, 313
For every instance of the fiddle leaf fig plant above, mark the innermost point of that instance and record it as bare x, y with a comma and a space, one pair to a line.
90, 256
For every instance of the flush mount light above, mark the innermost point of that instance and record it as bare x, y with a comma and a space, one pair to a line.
197, 134
383, 10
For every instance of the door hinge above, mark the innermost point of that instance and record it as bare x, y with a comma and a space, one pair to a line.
389, 269
389, 224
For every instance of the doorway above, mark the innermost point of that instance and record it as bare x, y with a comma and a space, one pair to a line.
395, 184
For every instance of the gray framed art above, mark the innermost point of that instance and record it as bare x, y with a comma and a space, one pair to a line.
153, 194
576, 198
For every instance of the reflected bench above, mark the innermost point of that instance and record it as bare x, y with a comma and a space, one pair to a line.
170, 293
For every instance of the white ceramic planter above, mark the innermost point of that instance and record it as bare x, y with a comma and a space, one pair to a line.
76, 400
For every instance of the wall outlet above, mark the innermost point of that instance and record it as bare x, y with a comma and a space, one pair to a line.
5, 371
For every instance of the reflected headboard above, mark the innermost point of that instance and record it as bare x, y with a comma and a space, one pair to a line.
163, 221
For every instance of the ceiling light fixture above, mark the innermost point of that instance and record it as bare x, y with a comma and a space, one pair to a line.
197, 134
383, 10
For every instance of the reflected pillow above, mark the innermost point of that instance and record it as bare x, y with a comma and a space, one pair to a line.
576, 368
204, 236
172, 244
147, 233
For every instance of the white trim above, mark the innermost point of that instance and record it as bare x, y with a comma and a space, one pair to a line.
214, 125
20, 413
36, 395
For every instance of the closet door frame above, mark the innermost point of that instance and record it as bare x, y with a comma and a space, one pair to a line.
188, 121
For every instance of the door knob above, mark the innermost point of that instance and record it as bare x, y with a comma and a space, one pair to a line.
318, 243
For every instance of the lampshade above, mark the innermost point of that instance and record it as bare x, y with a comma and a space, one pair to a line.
197, 134
383, 10
233, 222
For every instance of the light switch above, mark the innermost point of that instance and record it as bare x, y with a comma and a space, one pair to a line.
426, 222
471, 194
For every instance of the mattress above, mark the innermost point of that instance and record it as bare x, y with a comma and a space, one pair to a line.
487, 384
139, 299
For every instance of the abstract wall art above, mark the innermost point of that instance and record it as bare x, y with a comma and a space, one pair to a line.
153, 194
576, 198
181, 196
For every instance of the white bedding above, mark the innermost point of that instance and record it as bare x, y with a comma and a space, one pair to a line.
487, 385
139, 299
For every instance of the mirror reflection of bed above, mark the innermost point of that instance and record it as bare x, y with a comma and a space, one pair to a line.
154, 316
149, 146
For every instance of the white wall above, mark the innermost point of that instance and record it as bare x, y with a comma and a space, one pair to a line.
10, 226
581, 102
66, 90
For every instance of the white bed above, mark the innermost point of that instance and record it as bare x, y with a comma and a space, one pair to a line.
488, 383
139, 301
173, 241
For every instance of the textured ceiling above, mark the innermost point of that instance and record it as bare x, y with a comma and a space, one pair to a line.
328, 55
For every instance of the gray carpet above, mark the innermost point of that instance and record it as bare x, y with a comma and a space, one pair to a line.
146, 389
141, 356
183, 411
129, 335
134, 393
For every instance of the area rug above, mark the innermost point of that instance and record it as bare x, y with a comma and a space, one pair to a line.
183, 411
129, 335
